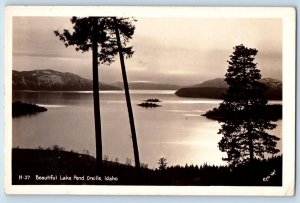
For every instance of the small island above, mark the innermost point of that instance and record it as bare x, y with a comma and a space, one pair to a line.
22, 109
149, 105
152, 100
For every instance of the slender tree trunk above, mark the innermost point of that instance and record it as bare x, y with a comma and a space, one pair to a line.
249, 127
128, 101
249, 134
250, 137
96, 95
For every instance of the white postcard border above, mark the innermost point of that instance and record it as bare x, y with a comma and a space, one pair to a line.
288, 128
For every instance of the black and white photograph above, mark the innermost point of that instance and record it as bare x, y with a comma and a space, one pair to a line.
202, 99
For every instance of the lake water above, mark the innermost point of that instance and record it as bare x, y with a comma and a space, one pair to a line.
176, 131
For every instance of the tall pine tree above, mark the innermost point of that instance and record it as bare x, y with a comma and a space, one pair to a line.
244, 126
98, 34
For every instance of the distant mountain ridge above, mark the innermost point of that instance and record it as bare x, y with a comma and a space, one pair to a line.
221, 83
148, 86
51, 80
215, 88
217, 83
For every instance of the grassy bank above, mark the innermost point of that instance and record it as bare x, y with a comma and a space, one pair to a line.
55, 166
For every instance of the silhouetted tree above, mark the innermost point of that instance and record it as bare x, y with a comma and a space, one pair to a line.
91, 33
162, 164
119, 26
243, 127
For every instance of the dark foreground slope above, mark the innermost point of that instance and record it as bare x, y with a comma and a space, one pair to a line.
56, 166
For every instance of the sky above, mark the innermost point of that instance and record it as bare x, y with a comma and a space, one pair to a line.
182, 51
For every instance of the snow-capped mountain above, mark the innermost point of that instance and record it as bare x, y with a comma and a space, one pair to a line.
52, 80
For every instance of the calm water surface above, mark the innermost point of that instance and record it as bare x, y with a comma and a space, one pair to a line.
176, 131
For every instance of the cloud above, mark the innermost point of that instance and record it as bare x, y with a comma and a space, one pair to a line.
173, 50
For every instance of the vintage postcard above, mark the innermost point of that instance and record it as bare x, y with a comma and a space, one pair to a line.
150, 101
